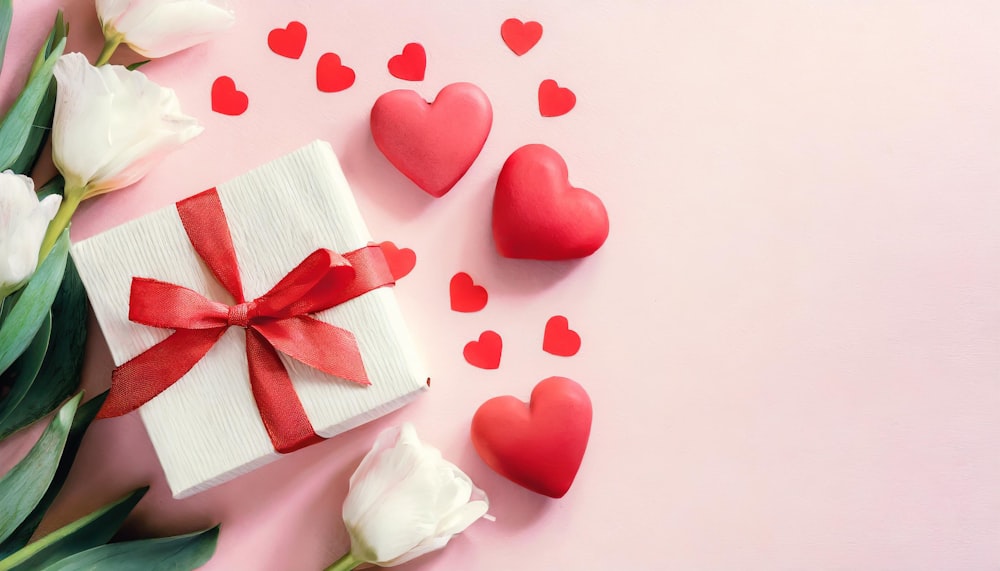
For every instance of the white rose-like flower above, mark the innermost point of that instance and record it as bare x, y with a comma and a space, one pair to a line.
405, 500
23, 220
155, 28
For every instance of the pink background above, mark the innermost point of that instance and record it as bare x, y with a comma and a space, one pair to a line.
791, 337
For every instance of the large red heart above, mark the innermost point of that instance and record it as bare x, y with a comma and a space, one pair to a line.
289, 41
520, 36
538, 215
553, 100
539, 445
331, 75
466, 296
433, 144
484, 353
409, 65
226, 99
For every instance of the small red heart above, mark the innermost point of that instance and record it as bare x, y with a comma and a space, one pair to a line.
538, 215
226, 99
540, 445
466, 296
553, 100
409, 65
289, 41
331, 75
433, 144
520, 36
484, 353
559, 339
401, 261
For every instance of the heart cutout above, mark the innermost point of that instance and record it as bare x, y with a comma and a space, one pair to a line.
433, 144
289, 41
332, 75
559, 339
466, 296
401, 261
553, 100
226, 99
520, 36
484, 353
539, 445
409, 65
538, 215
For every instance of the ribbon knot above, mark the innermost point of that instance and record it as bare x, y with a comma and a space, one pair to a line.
241, 314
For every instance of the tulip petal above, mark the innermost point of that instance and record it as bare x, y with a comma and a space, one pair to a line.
172, 27
23, 220
80, 143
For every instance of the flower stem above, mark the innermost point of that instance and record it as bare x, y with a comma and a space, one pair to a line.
110, 45
345, 563
70, 202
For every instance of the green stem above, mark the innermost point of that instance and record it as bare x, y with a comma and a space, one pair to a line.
70, 202
110, 45
345, 563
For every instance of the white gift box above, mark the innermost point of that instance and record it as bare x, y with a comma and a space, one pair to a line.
206, 427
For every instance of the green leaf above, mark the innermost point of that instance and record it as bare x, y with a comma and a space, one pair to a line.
36, 298
92, 530
178, 553
20, 376
6, 15
54, 186
17, 122
137, 65
23, 487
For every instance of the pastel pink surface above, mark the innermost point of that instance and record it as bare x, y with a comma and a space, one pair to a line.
790, 335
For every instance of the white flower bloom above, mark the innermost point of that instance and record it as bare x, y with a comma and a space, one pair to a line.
23, 220
405, 500
112, 125
155, 28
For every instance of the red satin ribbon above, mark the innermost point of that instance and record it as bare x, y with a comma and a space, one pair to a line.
276, 321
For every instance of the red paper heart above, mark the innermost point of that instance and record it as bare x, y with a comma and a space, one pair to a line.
433, 144
466, 296
331, 75
484, 353
553, 100
520, 36
538, 215
539, 446
559, 339
401, 261
226, 99
409, 65
289, 41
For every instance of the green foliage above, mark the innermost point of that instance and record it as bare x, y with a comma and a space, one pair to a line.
20, 376
179, 553
16, 124
6, 15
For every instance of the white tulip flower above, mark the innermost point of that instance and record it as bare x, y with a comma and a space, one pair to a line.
23, 220
155, 28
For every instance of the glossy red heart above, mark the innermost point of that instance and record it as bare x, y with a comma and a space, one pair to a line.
553, 100
520, 36
466, 296
433, 144
226, 99
484, 353
409, 65
538, 215
332, 75
289, 41
539, 445
401, 260
559, 339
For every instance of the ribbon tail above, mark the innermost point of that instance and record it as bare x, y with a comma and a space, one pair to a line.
320, 345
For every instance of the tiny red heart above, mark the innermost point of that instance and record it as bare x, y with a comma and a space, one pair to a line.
559, 339
553, 100
332, 75
466, 296
520, 36
289, 41
409, 65
539, 445
226, 99
401, 260
484, 353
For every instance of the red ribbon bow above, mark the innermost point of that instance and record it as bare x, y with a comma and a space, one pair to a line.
276, 321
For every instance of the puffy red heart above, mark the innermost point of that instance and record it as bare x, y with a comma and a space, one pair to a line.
332, 75
553, 100
226, 99
289, 41
520, 36
538, 215
401, 260
409, 65
559, 339
466, 296
433, 144
539, 445
484, 353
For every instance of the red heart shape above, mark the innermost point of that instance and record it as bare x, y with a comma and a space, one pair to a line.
466, 296
289, 41
331, 75
539, 446
401, 261
409, 65
553, 100
559, 339
484, 353
226, 99
520, 36
433, 144
538, 215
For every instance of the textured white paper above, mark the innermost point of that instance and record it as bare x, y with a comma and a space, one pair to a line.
206, 428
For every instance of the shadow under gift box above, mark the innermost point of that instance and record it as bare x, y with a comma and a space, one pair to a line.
206, 428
